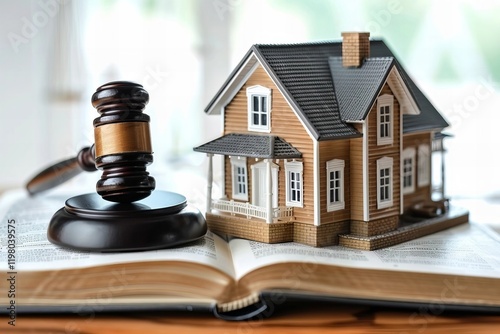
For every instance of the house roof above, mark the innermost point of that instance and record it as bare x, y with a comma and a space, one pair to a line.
325, 96
429, 118
302, 73
356, 88
252, 146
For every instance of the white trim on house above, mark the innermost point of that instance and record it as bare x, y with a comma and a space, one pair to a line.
222, 160
366, 185
335, 199
234, 86
385, 182
406, 101
317, 186
210, 181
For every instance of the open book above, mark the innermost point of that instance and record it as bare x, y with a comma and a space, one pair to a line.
459, 267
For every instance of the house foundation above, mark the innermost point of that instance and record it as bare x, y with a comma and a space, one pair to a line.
455, 216
364, 236
319, 236
278, 231
374, 227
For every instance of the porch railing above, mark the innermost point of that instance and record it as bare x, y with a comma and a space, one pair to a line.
249, 210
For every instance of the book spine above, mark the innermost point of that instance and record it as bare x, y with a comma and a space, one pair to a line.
242, 309
238, 303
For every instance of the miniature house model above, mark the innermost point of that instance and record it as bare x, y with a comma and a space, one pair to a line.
323, 144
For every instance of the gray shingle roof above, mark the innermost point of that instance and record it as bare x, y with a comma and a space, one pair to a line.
252, 146
357, 88
429, 118
304, 75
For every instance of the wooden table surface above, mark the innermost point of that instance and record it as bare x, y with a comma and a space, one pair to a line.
308, 317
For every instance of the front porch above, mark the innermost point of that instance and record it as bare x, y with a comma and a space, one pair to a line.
248, 221
260, 186
252, 211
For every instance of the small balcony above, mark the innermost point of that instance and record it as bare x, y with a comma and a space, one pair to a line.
251, 211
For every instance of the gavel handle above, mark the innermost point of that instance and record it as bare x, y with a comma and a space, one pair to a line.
62, 171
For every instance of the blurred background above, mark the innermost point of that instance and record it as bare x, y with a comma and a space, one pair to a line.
55, 53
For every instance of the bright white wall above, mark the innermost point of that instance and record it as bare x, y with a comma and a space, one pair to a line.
22, 82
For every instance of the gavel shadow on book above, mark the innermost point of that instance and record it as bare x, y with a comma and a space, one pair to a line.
126, 214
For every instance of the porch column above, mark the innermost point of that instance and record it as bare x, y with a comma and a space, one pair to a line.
209, 182
269, 192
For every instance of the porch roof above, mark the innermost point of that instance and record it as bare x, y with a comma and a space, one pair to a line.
251, 146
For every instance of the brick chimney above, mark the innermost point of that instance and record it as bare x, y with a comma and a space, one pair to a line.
355, 48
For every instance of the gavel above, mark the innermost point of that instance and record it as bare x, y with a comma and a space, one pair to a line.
125, 214
122, 148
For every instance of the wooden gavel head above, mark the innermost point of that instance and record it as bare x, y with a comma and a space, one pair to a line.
122, 142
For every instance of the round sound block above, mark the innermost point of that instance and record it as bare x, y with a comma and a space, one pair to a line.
87, 222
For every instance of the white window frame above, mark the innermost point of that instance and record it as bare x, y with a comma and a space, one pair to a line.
408, 154
261, 92
384, 164
424, 165
383, 102
295, 167
239, 162
332, 166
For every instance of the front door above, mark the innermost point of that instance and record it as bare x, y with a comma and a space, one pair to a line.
259, 187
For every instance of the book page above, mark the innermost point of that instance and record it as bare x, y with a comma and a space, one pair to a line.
468, 249
24, 244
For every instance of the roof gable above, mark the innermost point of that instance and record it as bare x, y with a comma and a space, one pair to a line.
234, 82
357, 88
429, 118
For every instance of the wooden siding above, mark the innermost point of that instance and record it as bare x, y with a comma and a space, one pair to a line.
423, 193
285, 124
328, 150
376, 152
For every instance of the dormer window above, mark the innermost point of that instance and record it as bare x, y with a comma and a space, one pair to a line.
259, 108
385, 122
